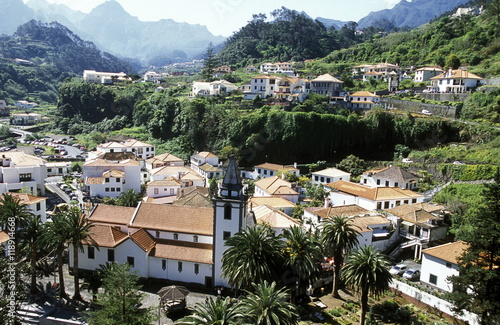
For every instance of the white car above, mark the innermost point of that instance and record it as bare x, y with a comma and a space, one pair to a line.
407, 160
426, 112
398, 269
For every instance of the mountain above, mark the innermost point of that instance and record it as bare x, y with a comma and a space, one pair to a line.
13, 14
411, 14
337, 24
113, 30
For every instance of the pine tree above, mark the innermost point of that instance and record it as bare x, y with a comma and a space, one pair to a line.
210, 63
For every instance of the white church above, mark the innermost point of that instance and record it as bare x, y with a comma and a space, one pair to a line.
178, 243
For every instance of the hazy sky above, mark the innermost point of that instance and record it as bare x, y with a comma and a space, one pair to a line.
223, 17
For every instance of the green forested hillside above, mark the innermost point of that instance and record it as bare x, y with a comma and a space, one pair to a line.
56, 54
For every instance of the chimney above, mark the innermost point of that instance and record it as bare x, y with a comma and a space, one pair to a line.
283, 175
294, 165
327, 203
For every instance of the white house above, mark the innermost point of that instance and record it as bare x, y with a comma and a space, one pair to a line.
213, 88
176, 243
390, 177
326, 85
36, 204
279, 67
22, 172
329, 175
263, 86
441, 262
279, 203
25, 118
313, 216
362, 100
290, 89
58, 168
274, 218
275, 186
206, 164
161, 188
426, 73
455, 81
377, 231
140, 149
370, 198
24, 104
111, 178
165, 159
421, 224
104, 77
269, 169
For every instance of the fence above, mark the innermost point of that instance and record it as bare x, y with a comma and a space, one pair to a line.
433, 301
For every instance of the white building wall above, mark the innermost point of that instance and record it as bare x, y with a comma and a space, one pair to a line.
437, 267
204, 239
171, 271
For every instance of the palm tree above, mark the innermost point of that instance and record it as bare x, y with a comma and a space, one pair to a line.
367, 271
13, 211
55, 238
214, 312
302, 257
268, 306
339, 236
78, 229
30, 239
253, 254
129, 198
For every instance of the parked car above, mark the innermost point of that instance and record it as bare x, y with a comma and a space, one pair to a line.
407, 160
398, 269
426, 112
412, 274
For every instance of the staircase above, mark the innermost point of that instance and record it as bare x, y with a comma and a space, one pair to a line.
30, 314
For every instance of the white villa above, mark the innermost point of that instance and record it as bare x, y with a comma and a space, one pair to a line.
269, 169
104, 77
390, 177
441, 262
426, 73
22, 172
275, 186
140, 149
455, 81
214, 88
326, 85
329, 175
362, 100
206, 164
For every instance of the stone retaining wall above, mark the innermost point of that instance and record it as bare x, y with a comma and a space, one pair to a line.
416, 107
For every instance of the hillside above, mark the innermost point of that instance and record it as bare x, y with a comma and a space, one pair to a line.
114, 30
55, 54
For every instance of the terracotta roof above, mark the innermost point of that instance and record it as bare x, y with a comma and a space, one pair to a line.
169, 181
429, 207
104, 163
165, 157
456, 74
373, 193
94, 180
174, 218
113, 173
273, 217
171, 170
275, 167
191, 176
273, 201
112, 144
396, 174
327, 77
195, 199
448, 252
331, 172
276, 186
430, 69
363, 94
117, 156
365, 222
4, 237
206, 154
185, 191
105, 236
22, 159
209, 168
112, 214
136, 143
143, 239
412, 214
345, 210
183, 251
26, 198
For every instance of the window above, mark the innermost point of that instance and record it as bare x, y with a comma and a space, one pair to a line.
176, 236
386, 205
111, 255
396, 184
172, 191
130, 260
364, 181
433, 279
118, 189
195, 238
157, 234
38, 206
386, 183
196, 268
23, 177
179, 266
322, 179
405, 201
163, 264
227, 212
398, 203
117, 180
379, 204
91, 253
265, 171
106, 179
156, 190
112, 189
226, 235
378, 181
106, 189
413, 200
448, 265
